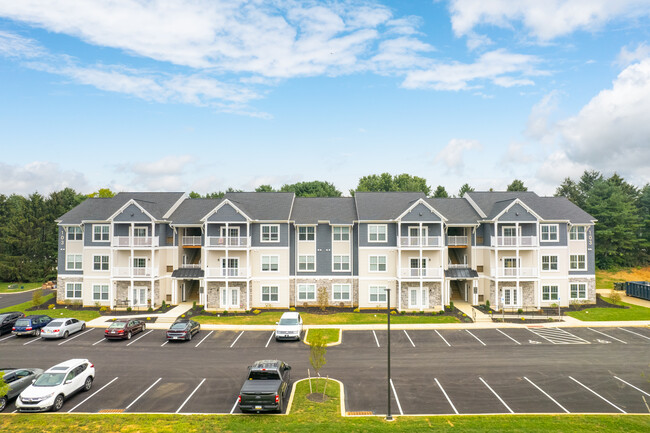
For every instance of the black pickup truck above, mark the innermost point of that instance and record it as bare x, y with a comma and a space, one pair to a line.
266, 387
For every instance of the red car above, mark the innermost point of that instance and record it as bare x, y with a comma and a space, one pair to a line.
124, 329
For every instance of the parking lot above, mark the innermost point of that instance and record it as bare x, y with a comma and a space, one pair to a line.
509, 370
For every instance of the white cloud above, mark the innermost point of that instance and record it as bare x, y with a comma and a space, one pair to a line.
400, 54
12, 45
538, 126
452, 154
518, 153
168, 173
557, 167
627, 57
543, 19
44, 177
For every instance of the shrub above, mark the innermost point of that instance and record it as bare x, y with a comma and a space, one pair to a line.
323, 299
103, 309
520, 311
451, 305
487, 304
194, 305
615, 297
163, 304
402, 312
441, 312
37, 297
50, 307
129, 309
225, 312
256, 312
150, 309
393, 312
97, 304
356, 310
292, 309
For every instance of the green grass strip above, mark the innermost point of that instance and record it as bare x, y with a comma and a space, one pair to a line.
4, 287
25, 305
271, 317
330, 335
635, 312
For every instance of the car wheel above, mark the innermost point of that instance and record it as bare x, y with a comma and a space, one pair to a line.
3, 403
83, 327
37, 333
88, 383
65, 334
128, 335
58, 403
144, 326
189, 336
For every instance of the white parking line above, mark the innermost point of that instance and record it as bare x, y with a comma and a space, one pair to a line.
32, 340
446, 396
103, 339
240, 334
496, 395
509, 337
203, 339
143, 335
399, 406
632, 332
190, 396
542, 391
479, 340
597, 395
78, 335
145, 391
7, 338
92, 395
608, 336
407, 336
164, 343
235, 405
376, 341
443, 338
267, 343
629, 384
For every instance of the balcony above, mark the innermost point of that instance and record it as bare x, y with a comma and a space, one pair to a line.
227, 272
419, 241
231, 241
415, 273
515, 272
127, 272
134, 241
457, 241
191, 241
191, 266
514, 241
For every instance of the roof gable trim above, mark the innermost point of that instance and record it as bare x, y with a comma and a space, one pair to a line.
222, 204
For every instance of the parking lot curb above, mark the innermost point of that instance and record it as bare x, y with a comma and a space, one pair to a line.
335, 343
341, 393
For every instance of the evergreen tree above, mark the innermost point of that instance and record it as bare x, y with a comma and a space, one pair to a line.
314, 188
440, 192
385, 182
570, 190
264, 188
463, 189
517, 185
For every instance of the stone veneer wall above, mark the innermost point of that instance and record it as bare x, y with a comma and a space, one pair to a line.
212, 294
528, 294
591, 288
60, 284
327, 283
435, 294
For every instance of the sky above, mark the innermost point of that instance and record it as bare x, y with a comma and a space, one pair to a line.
202, 95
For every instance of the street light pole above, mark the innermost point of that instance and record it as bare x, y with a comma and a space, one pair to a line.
389, 417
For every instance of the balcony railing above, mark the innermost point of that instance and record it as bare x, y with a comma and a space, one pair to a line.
458, 266
191, 241
417, 241
134, 272
514, 241
230, 241
453, 241
227, 272
423, 272
191, 266
515, 272
135, 241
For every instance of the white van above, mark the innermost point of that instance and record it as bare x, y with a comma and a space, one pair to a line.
289, 327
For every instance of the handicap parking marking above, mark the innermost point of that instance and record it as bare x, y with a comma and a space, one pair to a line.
597, 395
546, 394
509, 336
496, 395
443, 338
558, 336
204, 338
478, 339
267, 343
233, 343
635, 333
143, 335
407, 336
193, 392
78, 335
93, 394
376, 340
140, 396
446, 396
629, 384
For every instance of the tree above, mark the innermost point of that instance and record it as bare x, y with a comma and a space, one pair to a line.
102, 193
644, 214
264, 188
463, 189
517, 185
194, 194
4, 390
440, 192
317, 352
385, 182
570, 190
314, 188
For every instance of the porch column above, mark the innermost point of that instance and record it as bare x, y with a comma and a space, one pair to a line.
174, 291
248, 303
399, 294
130, 295
153, 295
112, 295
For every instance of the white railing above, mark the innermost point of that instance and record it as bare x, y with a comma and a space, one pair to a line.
514, 241
191, 266
134, 272
230, 241
457, 266
417, 273
515, 272
191, 241
416, 241
135, 241
456, 240
227, 272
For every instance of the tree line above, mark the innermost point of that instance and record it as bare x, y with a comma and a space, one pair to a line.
28, 232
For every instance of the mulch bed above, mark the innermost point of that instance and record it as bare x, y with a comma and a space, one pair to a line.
317, 397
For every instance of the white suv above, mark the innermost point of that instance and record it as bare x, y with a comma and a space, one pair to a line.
289, 327
56, 385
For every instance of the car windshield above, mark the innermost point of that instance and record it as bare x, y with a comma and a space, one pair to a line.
49, 379
286, 322
117, 325
179, 326
55, 323
263, 375
23, 322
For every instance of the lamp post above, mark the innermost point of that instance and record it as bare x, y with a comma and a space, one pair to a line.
389, 417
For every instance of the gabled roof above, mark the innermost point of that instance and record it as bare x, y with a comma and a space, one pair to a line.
193, 209
493, 203
336, 210
263, 206
457, 210
384, 206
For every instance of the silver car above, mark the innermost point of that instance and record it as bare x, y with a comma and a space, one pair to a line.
18, 379
61, 328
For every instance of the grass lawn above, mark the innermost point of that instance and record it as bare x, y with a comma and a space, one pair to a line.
307, 416
59, 312
329, 335
270, 317
26, 286
635, 312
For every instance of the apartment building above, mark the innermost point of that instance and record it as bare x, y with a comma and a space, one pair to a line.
274, 250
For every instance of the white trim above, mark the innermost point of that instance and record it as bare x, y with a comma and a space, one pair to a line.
578, 291
478, 210
584, 233
108, 263
81, 263
307, 233
550, 293
175, 206
101, 232
270, 234
269, 301
74, 290
377, 294
378, 263
541, 232
270, 263
349, 292
577, 268
311, 287
385, 226
431, 208
219, 206
517, 201
341, 263
341, 234
307, 263
557, 263
123, 208
100, 286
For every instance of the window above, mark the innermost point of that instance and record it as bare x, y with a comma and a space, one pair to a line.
577, 233
549, 263
377, 263
139, 262
377, 293
100, 292
579, 291
306, 233
100, 263
306, 292
270, 263
270, 233
73, 290
340, 233
549, 293
341, 292
74, 233
577, 262
549, 232
101, 232
139, 232
306, 263
73, 262
341, 263
377, 232
270, 293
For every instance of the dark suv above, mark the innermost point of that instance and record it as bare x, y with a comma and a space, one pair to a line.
7, 321
30, 325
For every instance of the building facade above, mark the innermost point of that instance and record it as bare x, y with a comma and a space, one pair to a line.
274, 250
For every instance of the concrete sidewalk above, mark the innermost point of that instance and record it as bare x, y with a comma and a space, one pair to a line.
624, 298
163, 320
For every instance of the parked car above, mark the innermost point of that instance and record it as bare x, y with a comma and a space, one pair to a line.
124, 329
266, 386
18, 379
61, 328
57, 384
7, 321
183, 329
289, 327
30, 325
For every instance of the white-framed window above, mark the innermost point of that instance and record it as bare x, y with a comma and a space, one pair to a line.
578, 291
270, 233
377, 232
549, 232
270, 263
100, 263
139, 262
340, 292
577, 233
341, 263
306, 292
549, 263
340, 233
377, 294
73, 262
139, 232
306, 233
101, 232
100, 292
577, 262
73, 290
75, 234
270, 293
549, 293
377, 263
306, 263
232, 232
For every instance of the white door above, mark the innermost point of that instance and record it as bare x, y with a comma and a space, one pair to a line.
511, 297
229, 298
183, 294
417, 267
230, 267
418, 298
139, 296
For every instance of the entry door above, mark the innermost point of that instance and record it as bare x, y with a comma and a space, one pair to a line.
418, 297
416, 238
229, 297
232, 234
511, 297
139, 296
183, 294
230, 267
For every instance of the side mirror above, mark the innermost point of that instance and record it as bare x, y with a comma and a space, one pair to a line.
288, 367
68, 382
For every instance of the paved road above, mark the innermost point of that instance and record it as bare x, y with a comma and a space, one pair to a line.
9, 299
572, 370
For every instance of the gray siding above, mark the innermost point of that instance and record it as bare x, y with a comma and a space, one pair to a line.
355, 250
420, 213
284, 236
517, 213
562, 237
226, 213
88, 237
132, 213
163, 231
215, 229
391, 236
433, 228
63, 239
292, 250
324, 250
591, 254
121, 229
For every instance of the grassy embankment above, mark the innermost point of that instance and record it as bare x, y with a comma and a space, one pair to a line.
59, 311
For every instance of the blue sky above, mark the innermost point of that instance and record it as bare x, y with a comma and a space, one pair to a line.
183, 95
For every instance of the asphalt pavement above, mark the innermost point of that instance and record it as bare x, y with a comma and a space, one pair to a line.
9, 299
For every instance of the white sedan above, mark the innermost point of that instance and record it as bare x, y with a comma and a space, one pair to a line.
61, 328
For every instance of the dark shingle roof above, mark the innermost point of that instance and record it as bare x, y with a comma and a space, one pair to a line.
336, 210
461, 273
493, 202
188, 273
193, 209
263, 206
456, 210
384, 206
